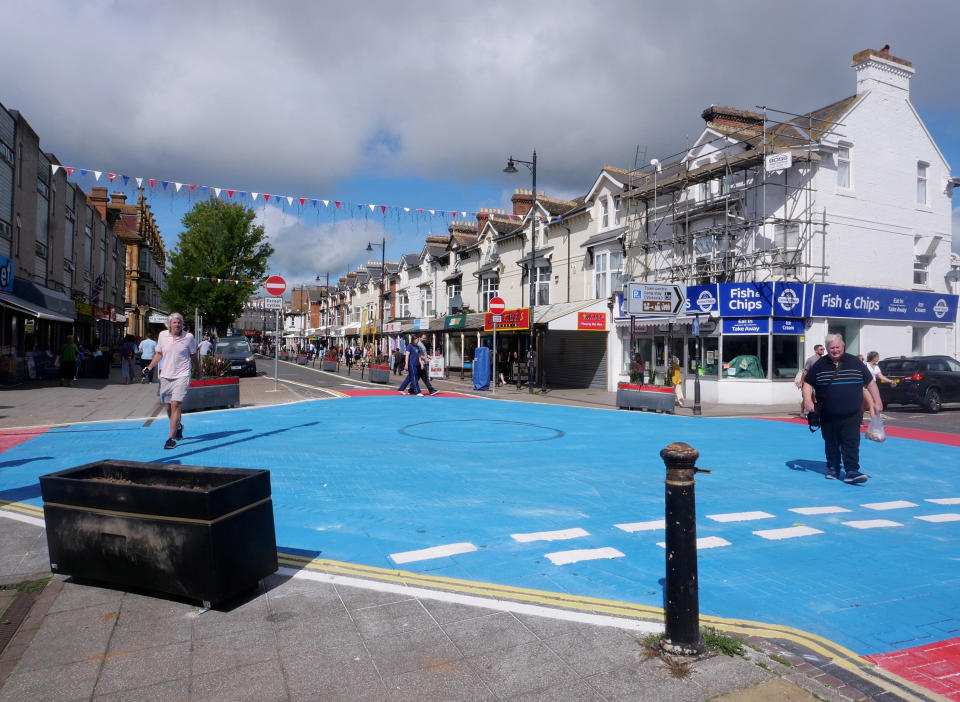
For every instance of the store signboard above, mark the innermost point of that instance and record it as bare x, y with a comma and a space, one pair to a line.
592, 321
455, 321
746, 325
746, 299
6, 274
391, 327
511, 320
702, 299
791, 299
879, 303
788, 326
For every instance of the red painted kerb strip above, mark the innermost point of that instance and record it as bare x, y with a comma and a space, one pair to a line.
933, 666
933, 437
13, 437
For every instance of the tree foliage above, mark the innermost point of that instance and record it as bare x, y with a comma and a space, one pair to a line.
219, 240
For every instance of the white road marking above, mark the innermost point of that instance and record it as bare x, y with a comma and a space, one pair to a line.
558, 535
819, 510
739, 516
17, 517
896, 504
424, 554
705, 542
788, 533
872, 524
583, 554
642, 526
945, 500
946, 517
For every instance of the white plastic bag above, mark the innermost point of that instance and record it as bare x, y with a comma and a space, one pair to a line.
875, 430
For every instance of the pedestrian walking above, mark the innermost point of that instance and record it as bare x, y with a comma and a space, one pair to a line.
425, 365
842, 384
68, 360
147, 348
205, 347
411, 359
128, 353
873, 358
175, 348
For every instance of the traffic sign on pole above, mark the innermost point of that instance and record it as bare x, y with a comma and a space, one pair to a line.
275, 285
654, 299
497, 305
273, 303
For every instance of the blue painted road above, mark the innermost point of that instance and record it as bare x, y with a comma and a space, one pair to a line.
379, 480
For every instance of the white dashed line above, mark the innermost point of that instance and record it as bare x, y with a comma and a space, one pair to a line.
583, 554
819, 510
947, 517
705, 542
872, 524
642, 526
739, 516
896, 504
433, 552
788, 533
558, 535
945, 500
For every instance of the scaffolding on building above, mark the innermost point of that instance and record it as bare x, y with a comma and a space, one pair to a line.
726, 216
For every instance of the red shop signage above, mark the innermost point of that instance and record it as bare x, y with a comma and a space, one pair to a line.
510, 319
593, 321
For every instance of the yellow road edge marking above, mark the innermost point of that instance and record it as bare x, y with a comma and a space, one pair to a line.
830, 650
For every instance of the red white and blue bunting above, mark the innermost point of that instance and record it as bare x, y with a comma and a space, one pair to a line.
255, 197
220, 280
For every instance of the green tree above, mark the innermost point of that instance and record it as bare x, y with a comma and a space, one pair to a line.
219, 240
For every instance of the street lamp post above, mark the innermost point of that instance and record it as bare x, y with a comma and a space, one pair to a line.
531, 271
326, 300
383, 281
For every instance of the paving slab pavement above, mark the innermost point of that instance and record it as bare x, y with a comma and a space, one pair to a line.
304, 635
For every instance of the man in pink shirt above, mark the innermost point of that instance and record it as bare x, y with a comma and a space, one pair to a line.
177, 348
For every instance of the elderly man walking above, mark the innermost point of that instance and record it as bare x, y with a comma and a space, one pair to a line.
842, 384
177, 349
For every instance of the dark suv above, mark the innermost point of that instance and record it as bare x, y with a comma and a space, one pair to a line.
236, 350
928, 381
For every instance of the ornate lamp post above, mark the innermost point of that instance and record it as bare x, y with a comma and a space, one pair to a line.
531, 270
383, 280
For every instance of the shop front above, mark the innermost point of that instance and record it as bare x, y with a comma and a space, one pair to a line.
748, 340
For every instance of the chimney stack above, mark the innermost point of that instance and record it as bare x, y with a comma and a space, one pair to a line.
118, 198
879, 71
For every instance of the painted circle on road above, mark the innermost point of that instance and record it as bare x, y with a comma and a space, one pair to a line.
481, 431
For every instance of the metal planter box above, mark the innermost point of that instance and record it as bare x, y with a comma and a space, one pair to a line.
646, 397
202, 533
379, 375
328, 365
214, 393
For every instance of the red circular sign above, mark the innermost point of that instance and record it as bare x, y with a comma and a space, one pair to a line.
275, 285
497, 305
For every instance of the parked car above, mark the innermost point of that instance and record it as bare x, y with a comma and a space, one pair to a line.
236, 349
928, 381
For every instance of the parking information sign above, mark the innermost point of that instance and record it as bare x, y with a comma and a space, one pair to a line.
655, 299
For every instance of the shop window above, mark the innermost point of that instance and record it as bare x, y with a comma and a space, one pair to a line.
787, 356
745, 356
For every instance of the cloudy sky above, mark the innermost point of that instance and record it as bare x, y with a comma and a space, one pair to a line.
419, 104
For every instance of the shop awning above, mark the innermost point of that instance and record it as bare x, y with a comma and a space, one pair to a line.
31, 308
544, 314
654, 322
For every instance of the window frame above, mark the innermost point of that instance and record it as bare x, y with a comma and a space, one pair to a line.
923, 181
845, 166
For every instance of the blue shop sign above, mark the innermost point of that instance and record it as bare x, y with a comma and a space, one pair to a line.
746, 325
746, 299
791, 299
6, 274
701, 299
879, 303
788, 326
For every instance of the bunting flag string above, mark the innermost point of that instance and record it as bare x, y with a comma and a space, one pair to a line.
220, 280
451, 214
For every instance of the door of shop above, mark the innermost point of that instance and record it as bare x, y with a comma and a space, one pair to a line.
573, 359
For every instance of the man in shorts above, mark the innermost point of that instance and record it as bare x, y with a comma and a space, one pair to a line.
177, 349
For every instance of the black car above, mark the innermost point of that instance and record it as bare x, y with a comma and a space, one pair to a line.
928, 381
236, 350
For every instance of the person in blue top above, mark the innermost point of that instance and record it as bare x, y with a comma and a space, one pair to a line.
411, 357
843, 384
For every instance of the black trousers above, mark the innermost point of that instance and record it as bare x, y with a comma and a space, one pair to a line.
425, 378
841, 441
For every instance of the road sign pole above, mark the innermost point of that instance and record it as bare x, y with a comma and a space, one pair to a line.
494, 355
276, 351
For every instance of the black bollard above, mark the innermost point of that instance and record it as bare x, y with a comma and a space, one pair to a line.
682, 611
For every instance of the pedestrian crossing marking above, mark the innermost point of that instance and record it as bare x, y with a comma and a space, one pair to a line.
872, 524
819, 510
583, 554
946, 517
642, 526
787, 533
945, 500
557, 535
424, 554
739, 516
705, 542
895, 504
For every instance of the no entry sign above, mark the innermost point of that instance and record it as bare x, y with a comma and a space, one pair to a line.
497, 305
275, 285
